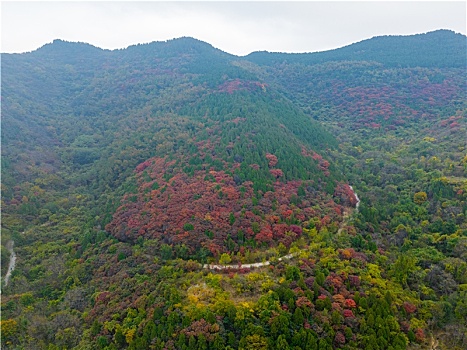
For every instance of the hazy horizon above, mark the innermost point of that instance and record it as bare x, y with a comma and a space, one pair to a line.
238, 27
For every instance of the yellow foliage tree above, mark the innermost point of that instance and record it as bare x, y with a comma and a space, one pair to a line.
225, 259
8, 329
420, 197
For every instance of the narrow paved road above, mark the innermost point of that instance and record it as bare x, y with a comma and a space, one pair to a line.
245, 266
356, 197
12, 264
346, 216
348, 212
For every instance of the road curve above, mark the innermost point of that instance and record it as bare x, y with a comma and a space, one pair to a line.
245, 266
285, 257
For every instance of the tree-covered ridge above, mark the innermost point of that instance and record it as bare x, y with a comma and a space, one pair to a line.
437, 49
123, 171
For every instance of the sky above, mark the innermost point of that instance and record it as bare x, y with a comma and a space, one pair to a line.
236, 27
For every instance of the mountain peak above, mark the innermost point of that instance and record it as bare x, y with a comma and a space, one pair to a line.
69, 46
177, 46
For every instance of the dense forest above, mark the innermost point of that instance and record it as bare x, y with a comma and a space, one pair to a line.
173, 196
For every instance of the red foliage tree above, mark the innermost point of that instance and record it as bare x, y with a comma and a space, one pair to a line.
272, 159
265, 235
142, 166
202, 327
277, 173
296, 229
409, 307
339, 339
419, 335
304, 302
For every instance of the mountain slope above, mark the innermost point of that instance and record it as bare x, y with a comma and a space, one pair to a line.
401, 126
160, 89
124, 171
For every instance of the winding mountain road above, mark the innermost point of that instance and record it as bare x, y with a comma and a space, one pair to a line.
12, 263
285, 257
245, 266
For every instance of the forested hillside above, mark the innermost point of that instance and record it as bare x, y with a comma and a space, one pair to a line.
124, 172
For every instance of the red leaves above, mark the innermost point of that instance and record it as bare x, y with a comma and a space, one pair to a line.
419, 335
336, 307
304, 302
214, 249
339, 339
264, 236
350, 303
298, 291
354, 280
451, 121
323, 164
409, 307
142, 166
277, 173
133, 222
231, 192
326, 220
202, 327
235, 85
338, 211
230, 86
254, 166
103, 297
296, 229
272, 159
279, 231
273, 219
346, 195
338, 298
168, 199
405, 326
316, 156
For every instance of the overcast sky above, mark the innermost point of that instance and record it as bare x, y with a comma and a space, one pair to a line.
237, 27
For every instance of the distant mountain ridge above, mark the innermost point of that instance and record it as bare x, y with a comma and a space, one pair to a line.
440, 48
